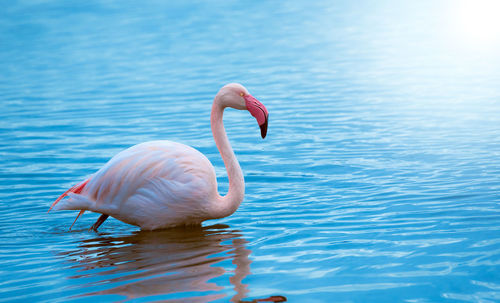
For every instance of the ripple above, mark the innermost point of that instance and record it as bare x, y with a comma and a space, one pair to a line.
378, 180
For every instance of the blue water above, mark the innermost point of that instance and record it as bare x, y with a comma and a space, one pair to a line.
378, 181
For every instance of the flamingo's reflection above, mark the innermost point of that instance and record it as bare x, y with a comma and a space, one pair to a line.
177, 261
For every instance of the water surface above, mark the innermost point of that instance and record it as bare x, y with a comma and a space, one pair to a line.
378, 181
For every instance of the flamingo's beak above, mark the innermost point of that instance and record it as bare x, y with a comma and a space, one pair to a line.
263, 128
259, 111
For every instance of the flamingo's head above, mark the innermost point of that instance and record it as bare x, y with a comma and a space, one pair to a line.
237, 96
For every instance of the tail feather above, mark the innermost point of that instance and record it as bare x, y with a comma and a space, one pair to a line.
76, 200
75, 189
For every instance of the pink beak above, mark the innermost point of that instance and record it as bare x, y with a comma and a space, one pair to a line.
259, 111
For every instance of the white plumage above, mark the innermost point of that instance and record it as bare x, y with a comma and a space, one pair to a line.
161, 184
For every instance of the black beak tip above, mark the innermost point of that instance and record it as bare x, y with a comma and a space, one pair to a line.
263, 128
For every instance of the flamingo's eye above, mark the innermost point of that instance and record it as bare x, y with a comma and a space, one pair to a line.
242, 94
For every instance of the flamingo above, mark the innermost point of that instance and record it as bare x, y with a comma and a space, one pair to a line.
162, 184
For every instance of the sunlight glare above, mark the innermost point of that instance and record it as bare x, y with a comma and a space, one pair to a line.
479, 21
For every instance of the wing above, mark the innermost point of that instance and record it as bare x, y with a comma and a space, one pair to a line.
158, 182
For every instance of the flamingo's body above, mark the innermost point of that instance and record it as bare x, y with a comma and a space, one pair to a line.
162, 184
151, 185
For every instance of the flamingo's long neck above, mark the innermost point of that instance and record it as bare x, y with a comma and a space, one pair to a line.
226, 205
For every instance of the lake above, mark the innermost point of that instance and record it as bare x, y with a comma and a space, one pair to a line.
378, 180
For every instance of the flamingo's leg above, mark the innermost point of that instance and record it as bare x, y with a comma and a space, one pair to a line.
98, 223
79, 214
